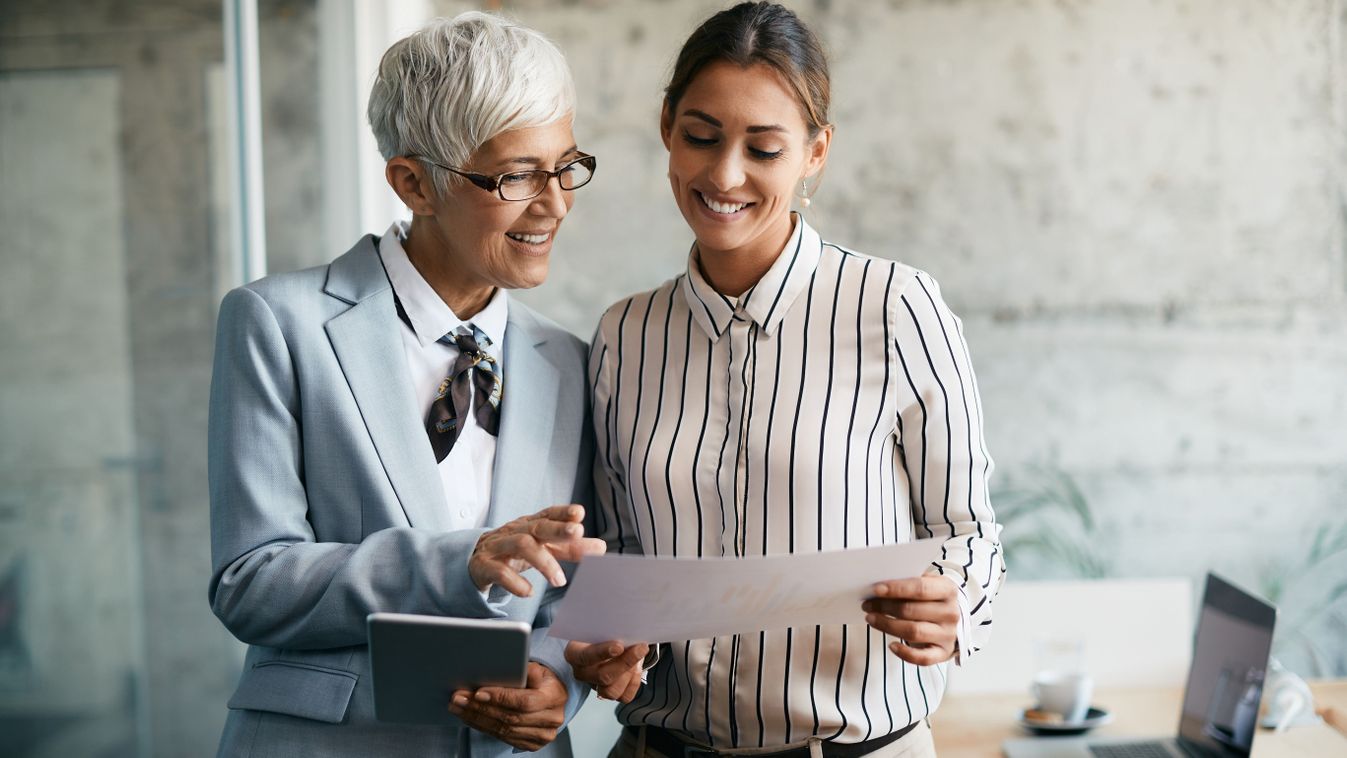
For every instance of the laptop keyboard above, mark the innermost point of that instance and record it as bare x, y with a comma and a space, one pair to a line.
1131, 750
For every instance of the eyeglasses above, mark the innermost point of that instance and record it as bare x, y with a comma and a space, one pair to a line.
526, 185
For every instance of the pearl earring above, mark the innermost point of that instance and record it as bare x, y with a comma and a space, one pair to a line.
804, 193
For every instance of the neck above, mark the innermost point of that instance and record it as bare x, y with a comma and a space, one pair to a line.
733, 272
432, 257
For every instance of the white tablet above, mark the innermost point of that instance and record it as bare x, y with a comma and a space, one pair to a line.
417, 662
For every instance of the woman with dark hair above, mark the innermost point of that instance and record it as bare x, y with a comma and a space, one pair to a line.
785, 395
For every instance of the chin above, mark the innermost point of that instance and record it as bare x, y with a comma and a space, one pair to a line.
527, 280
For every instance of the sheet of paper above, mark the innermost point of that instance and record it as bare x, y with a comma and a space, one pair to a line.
640, 599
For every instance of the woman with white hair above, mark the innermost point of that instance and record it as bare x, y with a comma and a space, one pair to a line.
392, 432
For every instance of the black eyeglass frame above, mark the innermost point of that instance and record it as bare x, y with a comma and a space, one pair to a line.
494, 184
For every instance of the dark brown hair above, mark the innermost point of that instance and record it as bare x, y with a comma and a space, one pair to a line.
758, 33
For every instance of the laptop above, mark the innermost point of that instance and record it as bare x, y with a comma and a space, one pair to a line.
1220, 700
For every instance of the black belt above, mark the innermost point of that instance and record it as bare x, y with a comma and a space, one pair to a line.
673, 746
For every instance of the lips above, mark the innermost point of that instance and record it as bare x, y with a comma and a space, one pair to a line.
722, 207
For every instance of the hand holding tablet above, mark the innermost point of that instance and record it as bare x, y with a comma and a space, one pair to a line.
419, 662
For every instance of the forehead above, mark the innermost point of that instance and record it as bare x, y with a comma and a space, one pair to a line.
545, 143
737, 96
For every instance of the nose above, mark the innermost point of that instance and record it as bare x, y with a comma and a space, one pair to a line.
727, 172
552, 202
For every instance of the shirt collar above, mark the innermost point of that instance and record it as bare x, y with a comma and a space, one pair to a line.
766, 302
429, 316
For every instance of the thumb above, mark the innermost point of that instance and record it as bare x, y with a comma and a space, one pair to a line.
538, 675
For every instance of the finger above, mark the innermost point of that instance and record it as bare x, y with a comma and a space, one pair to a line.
632, 689
524, 737
498, 572
581, 654
915, 588
636, 653
475, 718
549, 718
576, 550
547, 530
617, 689
505, 699
616, 669
532, 552
914, 610
530, 739
499, 715
924, 655
567, 513
918, 632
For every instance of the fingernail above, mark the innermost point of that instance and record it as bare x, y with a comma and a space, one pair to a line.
482, 697
559, 580
894, 646
574, 530
871, 618
614, 651
881, 589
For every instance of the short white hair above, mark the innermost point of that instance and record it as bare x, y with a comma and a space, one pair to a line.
449, 88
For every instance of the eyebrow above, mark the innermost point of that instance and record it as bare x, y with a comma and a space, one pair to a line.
713, 121
530, 160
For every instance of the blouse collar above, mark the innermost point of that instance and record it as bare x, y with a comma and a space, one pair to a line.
767, 301
430, 317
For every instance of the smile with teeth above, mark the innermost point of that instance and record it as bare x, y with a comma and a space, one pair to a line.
528, 239
725, 208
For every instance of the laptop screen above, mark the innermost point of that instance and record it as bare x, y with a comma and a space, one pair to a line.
1225, 683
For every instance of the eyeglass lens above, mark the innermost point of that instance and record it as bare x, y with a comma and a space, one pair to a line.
523, 185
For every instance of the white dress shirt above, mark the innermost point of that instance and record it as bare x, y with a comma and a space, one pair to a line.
466, 471
831, 406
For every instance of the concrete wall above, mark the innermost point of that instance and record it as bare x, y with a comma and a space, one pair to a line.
1137, 208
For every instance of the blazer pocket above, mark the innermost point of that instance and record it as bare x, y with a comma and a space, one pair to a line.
296, 689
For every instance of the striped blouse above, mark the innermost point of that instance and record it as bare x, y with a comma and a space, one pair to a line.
831, 406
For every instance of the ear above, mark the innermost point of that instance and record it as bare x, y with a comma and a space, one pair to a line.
666, 125
818, 151
413, 185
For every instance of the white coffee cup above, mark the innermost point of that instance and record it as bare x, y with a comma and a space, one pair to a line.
1289, 699
1064, 692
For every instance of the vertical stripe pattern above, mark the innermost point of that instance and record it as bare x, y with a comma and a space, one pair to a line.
831, 406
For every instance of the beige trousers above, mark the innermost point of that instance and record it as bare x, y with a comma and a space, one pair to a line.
915, 744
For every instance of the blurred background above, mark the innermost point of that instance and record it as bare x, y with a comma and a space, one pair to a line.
1138, 208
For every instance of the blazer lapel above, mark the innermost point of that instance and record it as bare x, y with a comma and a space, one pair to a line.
531, 384
368, 346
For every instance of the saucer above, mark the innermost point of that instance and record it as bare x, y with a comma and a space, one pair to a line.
1093, 718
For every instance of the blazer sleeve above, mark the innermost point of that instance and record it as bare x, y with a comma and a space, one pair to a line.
939, 429
543, 648
272, 583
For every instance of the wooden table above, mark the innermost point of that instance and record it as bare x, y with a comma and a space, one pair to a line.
974, 726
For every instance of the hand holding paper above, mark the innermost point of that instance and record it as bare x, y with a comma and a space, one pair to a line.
612, 669
922, 612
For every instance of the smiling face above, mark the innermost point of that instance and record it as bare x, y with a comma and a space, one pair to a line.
738, 148
469, 241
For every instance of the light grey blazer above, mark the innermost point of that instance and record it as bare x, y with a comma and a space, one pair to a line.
326, 504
